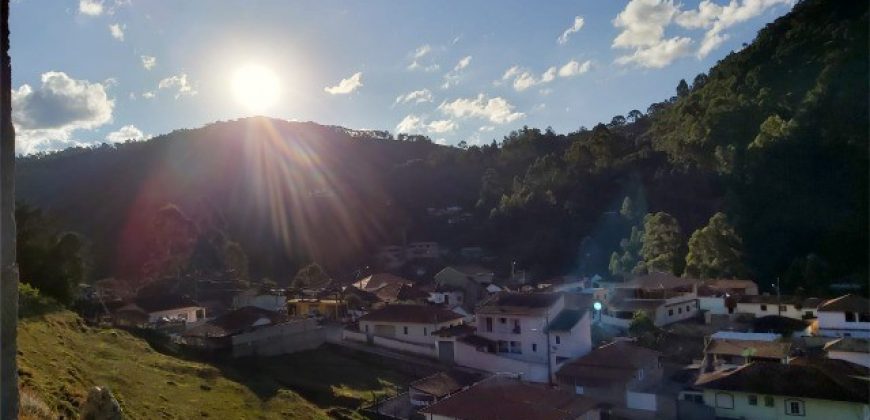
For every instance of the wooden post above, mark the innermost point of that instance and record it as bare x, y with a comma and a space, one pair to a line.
8, 268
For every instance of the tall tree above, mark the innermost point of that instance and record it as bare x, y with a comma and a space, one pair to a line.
311, 276
715, 251
662, 243
628, 261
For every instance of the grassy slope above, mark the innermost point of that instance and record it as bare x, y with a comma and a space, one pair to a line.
60, 358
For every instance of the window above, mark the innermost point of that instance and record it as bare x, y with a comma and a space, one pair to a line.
768, 401
516, 329
516, 347
688, 308
367, 328
794, 407
578, 390
502, 346
425, 331
640, 375
808, 314
534, 347
488, 324
670, 312
679, 310
753, 399
502, 320
782, 308
864, 317
763, 308
405, 330
850, 316
724, 400
558, 340
695, 398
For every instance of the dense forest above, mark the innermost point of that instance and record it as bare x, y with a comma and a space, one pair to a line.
757, 169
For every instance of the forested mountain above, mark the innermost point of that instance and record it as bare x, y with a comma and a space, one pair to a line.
774, 137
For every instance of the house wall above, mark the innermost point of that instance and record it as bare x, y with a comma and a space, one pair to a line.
676, 309
833, 324
574, 343
813, 408
417, 333
531, 335
789, 311
428, 350
268, 302
862, 359
184, 313
465, 355
279, 339
713, 304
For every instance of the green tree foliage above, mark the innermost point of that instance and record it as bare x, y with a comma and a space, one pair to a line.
663, 241
715, 251
53, 262
629, 261
311, 276
641, 324
682, 89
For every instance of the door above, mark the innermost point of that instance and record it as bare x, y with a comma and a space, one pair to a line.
445, 352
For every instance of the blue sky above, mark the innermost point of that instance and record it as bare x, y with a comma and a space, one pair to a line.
90, 71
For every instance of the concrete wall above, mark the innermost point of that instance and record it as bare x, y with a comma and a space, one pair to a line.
279, 339
360, 337
428, 350
465, 355
675, 310
640, 401
813, 409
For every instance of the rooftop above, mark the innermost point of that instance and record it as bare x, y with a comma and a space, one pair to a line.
445, 383
658, 281
164, 302
503, 398
749, 348
413, 314
849, 344
803, 379
846, 303
566, 320
376, 281
518, 303
798, 301
235, 322
612, 361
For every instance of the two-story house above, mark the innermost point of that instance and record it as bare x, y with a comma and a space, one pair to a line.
620, 373
529, 334
410, 323
845, 316
786, 305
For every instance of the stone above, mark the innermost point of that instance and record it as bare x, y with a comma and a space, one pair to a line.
101, 405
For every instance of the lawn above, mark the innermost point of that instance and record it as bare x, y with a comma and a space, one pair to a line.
60, 358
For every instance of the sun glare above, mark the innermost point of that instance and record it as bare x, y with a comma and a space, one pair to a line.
256, 87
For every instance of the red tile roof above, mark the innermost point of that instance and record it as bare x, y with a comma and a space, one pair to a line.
846, 303
414, 314
503, 398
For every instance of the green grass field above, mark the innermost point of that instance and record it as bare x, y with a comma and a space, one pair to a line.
60, 358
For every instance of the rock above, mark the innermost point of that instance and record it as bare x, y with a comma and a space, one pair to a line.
101, 405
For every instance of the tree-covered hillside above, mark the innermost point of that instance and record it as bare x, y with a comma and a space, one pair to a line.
762, 162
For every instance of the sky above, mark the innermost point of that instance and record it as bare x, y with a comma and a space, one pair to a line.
103, 71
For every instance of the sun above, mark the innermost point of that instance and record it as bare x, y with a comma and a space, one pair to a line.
256, 87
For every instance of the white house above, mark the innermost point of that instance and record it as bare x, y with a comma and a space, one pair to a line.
665, 298
850, 349
818, 389
719, 296
531, 335
845, 316
729, 352
408, 323
788, 306
152, 310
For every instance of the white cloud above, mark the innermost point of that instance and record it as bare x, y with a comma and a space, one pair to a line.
643, 24
418, 54
127, 132
346, 86
117, 31
45, 117
574, 68
485, 128
148, 62
441, 126
578, 24
452, 77
417, 96
411, 124
524, 79
91, 7
179, 83
149, 94
549, 75
659, 55
497, 110
716, 19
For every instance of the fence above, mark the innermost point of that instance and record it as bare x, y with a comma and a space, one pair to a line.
285, 338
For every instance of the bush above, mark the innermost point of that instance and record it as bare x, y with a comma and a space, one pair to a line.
32, 303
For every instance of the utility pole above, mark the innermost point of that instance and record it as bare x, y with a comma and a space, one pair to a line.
8, 268
778, 299
549, 361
